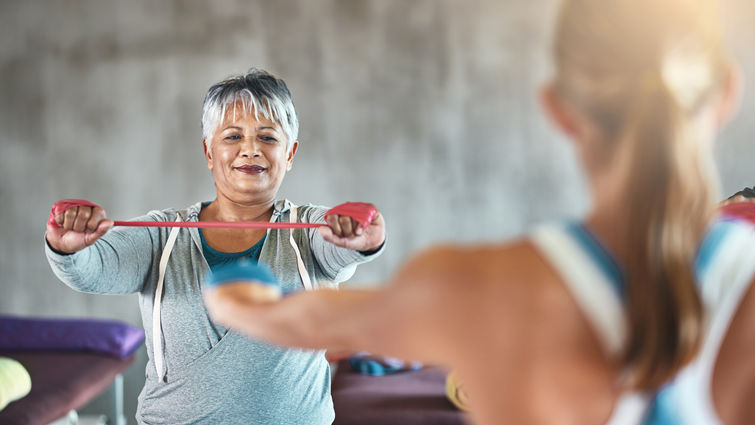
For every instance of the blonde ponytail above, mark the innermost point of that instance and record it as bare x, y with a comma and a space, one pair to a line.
640, 69
670, 198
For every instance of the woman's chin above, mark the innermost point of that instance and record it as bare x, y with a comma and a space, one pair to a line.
255, 186
251, 194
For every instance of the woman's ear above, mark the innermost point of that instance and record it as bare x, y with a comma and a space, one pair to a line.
291, 154
731, 95
207, 154
563, 117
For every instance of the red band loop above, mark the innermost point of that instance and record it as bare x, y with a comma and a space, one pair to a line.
219, 224
362, 212
64, 204
745, 210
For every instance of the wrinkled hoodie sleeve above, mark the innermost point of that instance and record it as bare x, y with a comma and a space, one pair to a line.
118, 263
339, 263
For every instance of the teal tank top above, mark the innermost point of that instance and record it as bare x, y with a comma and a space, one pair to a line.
217, 258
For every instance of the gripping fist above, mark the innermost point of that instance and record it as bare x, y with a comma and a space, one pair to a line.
74, 224
354, 225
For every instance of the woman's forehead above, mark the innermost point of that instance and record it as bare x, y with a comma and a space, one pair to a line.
239, 113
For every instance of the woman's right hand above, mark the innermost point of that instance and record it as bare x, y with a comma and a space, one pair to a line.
75, 224
735, 200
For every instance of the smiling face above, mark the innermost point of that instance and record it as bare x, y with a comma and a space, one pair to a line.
248, 157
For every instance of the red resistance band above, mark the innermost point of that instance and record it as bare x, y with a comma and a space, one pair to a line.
745, 210
362, 212
62, 205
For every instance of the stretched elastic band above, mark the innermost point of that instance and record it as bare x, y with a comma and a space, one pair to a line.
361, 212
220, 224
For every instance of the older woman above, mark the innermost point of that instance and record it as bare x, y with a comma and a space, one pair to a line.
583, 322
198, 371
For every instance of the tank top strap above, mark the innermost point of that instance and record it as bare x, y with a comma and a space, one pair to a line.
596, 282
725, 260
725, 268
591, 275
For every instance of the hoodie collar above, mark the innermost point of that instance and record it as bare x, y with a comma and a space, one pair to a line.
279, 207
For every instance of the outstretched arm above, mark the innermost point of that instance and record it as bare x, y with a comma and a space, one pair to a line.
441, 306
410, 318
89, 257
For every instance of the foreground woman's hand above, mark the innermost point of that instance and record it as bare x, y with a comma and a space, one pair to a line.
346, 232
228, 302
735, 200
235, 288
75, 224
745, 195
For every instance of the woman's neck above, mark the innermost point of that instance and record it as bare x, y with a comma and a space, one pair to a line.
610, 213
607, 229
234, 240
224, 209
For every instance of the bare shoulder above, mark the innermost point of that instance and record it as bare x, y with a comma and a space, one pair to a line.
499, 285
734, 374
512, 323
452, 294
489, 262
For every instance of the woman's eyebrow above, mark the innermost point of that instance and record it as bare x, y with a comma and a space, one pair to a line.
234, 127
267, 128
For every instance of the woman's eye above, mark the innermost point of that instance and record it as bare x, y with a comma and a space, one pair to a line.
233, 137
268, 139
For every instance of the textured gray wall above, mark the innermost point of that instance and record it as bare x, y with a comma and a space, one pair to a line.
425, 107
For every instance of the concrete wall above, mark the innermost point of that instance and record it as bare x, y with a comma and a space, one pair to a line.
426, 108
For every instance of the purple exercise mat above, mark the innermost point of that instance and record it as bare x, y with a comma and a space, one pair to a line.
109, 337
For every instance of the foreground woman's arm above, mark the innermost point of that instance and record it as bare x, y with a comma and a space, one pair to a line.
499, 316
428, 312
384, 321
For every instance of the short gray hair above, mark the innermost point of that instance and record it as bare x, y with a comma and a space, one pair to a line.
258, 91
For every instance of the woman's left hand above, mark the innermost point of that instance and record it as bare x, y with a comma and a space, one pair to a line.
735, 200
346, 232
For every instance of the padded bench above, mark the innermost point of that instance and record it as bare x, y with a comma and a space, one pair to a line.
70, 361
411, 397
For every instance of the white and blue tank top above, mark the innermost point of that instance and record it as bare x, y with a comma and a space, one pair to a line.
725, 266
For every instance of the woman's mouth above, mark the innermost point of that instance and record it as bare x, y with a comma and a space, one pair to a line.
250, 169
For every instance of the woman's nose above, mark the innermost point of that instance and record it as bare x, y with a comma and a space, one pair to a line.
250, 148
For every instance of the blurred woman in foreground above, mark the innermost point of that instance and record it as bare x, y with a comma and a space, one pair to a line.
583, 323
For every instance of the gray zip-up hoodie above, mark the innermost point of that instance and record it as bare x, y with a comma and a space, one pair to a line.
214, 376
